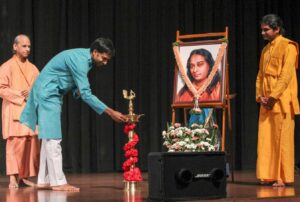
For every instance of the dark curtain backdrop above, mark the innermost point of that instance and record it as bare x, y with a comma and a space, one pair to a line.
143, 32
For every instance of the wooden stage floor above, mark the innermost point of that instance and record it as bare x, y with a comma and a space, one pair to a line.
110, 187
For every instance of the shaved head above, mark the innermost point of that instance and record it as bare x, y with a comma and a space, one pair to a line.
20, 37
21, 46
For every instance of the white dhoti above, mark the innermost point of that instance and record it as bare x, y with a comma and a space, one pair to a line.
51, 168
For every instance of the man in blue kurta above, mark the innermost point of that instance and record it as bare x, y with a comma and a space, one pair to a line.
65, 72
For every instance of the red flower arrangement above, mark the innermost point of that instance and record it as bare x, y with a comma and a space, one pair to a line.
131, 173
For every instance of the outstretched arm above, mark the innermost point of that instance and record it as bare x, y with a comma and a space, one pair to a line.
79, 73
115, 115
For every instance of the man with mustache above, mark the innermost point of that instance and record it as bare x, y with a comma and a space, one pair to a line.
65, 72
276, 91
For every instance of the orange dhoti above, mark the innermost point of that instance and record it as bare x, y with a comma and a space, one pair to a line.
22, 146
275, 160
22, 156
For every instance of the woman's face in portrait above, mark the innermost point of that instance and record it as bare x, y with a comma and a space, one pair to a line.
198, 67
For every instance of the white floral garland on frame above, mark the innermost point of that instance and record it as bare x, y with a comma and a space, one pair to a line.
184, 76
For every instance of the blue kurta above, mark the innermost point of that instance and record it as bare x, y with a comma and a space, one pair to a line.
65, 72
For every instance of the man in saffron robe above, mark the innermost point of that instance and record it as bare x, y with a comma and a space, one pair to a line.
65, 72
22, 146
276, 91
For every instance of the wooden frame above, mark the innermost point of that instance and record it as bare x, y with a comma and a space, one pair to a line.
202, 54
225, 103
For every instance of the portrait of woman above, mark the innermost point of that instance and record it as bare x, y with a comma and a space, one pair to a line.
199, 65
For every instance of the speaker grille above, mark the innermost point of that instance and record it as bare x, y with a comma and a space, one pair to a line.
206, 168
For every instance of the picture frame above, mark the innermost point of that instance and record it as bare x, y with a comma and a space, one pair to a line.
201, 56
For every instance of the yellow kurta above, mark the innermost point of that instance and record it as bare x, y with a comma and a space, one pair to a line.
277, 78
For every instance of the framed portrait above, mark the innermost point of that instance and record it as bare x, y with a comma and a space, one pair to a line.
200, 69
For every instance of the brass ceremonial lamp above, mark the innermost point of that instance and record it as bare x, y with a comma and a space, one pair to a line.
132, 118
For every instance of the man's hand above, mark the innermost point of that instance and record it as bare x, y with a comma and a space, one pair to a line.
271, 102
268, 102
25, 94
263, 100
115, 115
77, 92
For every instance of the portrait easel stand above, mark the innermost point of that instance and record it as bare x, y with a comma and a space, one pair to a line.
224, 105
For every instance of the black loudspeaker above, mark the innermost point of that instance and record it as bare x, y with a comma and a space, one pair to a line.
186, 175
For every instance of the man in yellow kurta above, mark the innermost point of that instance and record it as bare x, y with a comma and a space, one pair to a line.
22, 146
276, 91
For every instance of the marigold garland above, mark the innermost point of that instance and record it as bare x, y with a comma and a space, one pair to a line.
131, 173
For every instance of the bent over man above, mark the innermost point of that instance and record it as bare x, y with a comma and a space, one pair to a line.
65, 72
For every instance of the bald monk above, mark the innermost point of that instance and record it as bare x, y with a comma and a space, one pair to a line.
22, 146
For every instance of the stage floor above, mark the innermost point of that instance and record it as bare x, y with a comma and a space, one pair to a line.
110, 187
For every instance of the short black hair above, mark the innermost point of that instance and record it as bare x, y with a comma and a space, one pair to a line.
103, 45
274, 21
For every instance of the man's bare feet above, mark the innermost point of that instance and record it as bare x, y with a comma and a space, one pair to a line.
43, 186
26, 183
279, 183
65, 187
266, 182
13, 184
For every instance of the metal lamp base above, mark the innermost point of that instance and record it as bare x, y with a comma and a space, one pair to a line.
130, 186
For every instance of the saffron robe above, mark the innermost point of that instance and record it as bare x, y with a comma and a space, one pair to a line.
22, 146
64, 72
15, 77
22, 156
277, 78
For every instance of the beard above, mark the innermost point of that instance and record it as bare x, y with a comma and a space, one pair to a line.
97, 64
266, 38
